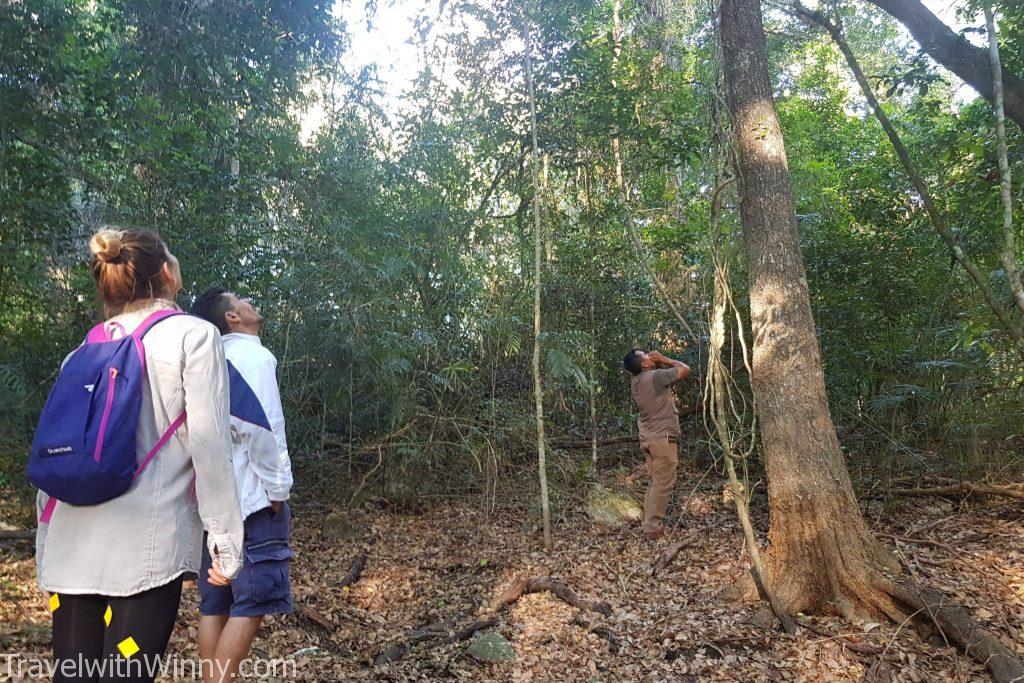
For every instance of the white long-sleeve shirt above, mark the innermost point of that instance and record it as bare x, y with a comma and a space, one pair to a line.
263, 471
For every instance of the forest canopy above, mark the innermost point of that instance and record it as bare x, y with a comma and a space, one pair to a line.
391, 246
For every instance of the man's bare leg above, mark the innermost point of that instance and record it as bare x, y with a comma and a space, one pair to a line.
210, 628
233, 646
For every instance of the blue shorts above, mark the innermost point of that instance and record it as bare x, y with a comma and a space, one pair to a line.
263, 586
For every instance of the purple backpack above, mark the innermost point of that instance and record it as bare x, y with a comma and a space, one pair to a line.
84, 448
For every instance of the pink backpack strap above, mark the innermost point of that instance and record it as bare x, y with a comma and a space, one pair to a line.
153, 319
146, 325
100, 333
97, 334
161, 443
47, 513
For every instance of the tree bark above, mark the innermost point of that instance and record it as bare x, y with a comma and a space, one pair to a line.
538, 387
821, 556
952, 51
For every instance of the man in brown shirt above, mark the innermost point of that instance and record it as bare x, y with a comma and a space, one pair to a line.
653, 376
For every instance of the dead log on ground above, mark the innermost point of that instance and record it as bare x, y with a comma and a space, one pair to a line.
521, 587
966, 488
955, 624
17, 534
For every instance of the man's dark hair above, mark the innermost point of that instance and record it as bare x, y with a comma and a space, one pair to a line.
212, 305
633, 362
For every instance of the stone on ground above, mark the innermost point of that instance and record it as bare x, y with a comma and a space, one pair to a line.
491, 647
612, 507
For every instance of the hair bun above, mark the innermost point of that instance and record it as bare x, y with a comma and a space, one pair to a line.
106, 245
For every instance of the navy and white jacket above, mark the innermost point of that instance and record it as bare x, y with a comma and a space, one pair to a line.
263, 469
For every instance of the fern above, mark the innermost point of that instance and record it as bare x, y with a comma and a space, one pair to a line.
562, 368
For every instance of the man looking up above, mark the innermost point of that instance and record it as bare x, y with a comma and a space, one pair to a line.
658, 424
231, 612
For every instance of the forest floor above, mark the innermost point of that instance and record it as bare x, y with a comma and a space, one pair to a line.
445, 566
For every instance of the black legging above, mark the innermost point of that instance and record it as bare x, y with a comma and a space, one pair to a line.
87, 648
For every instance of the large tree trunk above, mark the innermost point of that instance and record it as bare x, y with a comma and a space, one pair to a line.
821, 557
956, 54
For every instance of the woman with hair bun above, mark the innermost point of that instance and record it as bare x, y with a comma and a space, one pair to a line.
114, 570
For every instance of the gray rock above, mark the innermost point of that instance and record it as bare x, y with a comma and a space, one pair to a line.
613, 507
491, 647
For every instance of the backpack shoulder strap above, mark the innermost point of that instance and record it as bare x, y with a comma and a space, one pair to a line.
97, 334
153, 319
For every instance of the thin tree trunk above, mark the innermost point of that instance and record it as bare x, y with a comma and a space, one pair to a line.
821, 554
538, 388
952, 51
593, 327
936, 217
1005, 181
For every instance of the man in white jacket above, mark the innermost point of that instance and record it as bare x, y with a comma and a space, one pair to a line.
231, 612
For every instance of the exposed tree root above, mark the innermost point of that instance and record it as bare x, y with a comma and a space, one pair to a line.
521, 587
955, 624
966, 488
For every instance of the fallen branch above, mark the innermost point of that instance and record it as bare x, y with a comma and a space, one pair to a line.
312, 615
16, 534
614, 644
966, 488
521, 587
957, 625
479, 625
669, 554
355, 571
610, 441
436, 634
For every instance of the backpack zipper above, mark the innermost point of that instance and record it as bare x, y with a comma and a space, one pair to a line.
106, 414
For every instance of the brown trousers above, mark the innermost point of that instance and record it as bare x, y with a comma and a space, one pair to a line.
662, 461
